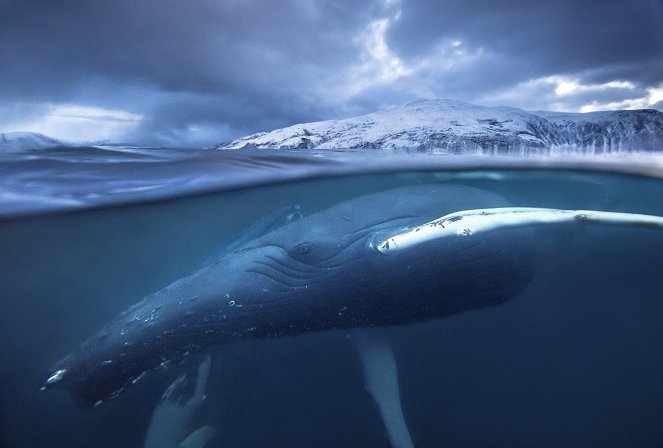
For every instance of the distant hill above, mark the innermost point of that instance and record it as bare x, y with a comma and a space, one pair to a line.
23, 141
458, 127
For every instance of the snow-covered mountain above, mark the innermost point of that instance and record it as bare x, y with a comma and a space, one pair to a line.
23, 141
454, 126
27, 141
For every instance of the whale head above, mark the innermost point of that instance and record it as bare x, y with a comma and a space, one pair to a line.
370, 261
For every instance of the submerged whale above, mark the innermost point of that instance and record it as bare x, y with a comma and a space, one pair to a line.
401, 256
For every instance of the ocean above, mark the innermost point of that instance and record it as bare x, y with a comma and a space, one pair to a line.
574, 359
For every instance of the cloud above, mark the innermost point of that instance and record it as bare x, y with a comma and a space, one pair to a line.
651, 99
160, 56
564, 93
379, 65
204, 71
561, 36
75, 123
173, 45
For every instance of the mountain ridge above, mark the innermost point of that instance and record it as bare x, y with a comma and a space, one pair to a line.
458, 127
22, 141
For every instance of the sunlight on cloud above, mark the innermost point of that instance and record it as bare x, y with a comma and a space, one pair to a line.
75, 123
447, 55
570, 86
564, 93
567, 86
379, 65
381, 60
83, 113
654, 95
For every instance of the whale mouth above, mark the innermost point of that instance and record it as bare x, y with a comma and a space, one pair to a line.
86, 392
471, 222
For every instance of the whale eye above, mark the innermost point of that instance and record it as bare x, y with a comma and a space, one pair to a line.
302, 251
303, 248
315, 254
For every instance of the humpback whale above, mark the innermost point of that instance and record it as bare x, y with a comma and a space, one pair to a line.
401, 256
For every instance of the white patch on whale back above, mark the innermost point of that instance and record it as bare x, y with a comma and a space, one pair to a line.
470, 222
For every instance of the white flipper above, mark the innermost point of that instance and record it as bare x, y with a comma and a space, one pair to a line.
198, 438
381, 380
172, 416
470, 222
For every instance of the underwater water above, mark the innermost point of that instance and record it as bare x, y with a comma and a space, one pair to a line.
574, 359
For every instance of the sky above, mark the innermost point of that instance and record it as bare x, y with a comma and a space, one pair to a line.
202, 72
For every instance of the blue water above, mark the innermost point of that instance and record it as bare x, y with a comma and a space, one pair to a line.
575, 360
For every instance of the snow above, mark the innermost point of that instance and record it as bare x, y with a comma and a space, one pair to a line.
455, 126
23, 141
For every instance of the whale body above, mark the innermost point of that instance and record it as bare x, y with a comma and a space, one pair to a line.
330, 270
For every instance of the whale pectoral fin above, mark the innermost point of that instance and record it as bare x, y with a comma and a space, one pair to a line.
273, 220
466, 223
381, 381
201, 383
198, 438
172, 414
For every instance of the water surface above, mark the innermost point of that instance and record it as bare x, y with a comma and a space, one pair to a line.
575, 360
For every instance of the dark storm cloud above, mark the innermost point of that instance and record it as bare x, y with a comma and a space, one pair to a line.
175, 45
205, 119
591, 42
209, 70
244, 54
549, 36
